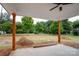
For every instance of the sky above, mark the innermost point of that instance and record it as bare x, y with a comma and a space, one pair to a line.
18, 18
74, 18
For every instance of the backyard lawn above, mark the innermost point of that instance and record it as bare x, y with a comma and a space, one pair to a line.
6, 40
35, 40
70, 38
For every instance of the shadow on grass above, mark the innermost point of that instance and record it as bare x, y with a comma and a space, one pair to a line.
74, 45
5, 52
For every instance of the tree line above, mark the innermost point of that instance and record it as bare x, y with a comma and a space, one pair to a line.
50, 27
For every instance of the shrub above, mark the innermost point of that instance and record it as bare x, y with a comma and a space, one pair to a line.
76, 31
54, 28
76, 27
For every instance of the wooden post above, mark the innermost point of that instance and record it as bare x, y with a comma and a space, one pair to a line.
13, 31
59, 41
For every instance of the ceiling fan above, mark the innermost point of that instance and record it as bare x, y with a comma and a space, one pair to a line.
58, 4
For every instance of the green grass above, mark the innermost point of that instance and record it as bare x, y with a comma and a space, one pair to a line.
74, 39
41, 38
4, 46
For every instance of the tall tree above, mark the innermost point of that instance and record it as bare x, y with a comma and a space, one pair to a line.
48, 24
27, 24
41, 27
54, 27
0, 27
76, 27
6, 16
67, 26
76, 24
7, 26
19, 27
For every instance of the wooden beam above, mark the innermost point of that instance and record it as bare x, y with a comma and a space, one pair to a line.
13, 31
59, 41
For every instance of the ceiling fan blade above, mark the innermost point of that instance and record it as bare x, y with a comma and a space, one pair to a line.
66, 3
62, 3
58, 5
53, 8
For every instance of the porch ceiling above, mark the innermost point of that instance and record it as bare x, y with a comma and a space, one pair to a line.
41, 10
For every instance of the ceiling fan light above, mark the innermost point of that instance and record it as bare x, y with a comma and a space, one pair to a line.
60, 8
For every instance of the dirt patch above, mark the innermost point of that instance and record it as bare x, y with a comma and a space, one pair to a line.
75, 45
24, 42
66, 38
45, 44
5, 52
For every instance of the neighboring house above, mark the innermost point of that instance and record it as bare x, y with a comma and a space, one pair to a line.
76, 31
2, 32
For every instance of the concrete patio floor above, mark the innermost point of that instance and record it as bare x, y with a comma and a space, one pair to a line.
56, 50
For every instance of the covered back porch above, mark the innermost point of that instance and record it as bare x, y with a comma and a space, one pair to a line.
40, 10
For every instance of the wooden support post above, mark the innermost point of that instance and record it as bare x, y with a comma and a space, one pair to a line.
59, 41
14, 32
